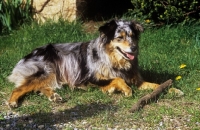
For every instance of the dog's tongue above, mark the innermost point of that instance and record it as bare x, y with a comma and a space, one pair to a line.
131, 57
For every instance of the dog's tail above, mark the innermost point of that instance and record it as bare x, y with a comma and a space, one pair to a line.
26, 70
37, 65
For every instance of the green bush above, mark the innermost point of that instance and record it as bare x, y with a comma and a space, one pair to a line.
13, 13
166, 11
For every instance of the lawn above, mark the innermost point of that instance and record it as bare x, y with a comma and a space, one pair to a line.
162, 52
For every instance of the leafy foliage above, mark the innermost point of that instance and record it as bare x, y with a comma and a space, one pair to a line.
166, 11
13, 13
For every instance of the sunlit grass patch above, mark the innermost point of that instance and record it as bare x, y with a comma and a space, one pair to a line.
165, 53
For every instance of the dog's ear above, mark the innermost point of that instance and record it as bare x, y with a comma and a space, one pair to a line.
108, 29
137, 26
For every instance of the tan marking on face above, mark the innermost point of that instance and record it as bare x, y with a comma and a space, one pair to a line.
123, 34
116, 59
124, 45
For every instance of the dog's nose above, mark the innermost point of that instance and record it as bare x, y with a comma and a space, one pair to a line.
133, 48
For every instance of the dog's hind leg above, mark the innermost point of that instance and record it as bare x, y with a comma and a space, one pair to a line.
44, 84
17, 93
52, 96
117, 84
47, 87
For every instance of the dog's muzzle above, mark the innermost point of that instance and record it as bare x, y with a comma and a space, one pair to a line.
130, 55
134, 48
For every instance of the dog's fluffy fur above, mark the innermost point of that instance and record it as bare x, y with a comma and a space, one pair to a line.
110, 61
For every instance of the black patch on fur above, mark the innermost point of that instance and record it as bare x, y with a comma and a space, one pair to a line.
49, 53
107, 31
83, 51
28, 56
95, 55
135, 29
38, 73
100, 82
108, 28
82, 60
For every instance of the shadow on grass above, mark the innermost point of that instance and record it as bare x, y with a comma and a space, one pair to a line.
152, 76
78, 113
53, 120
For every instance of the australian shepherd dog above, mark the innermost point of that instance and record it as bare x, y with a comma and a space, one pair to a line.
110, 61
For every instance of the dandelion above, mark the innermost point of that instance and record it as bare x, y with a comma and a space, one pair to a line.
198, 89
182, 66
178, 77
147, 21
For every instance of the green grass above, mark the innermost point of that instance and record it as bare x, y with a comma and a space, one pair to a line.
162, 51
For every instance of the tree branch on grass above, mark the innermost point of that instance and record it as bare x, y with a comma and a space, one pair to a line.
152, 96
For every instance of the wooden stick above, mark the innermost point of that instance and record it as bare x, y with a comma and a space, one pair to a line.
152, 96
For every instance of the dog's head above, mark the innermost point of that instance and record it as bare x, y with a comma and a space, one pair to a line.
122, 37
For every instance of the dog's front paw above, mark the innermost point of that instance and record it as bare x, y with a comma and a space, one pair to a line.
55, 97
108, 90
12, 104
128, 92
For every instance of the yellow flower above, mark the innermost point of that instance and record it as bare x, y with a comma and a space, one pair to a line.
198, 89
182, 66
147, 21
178, 77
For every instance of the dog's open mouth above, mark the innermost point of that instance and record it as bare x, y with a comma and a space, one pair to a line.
127, 55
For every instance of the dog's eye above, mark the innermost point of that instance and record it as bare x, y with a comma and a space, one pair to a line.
120, 37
